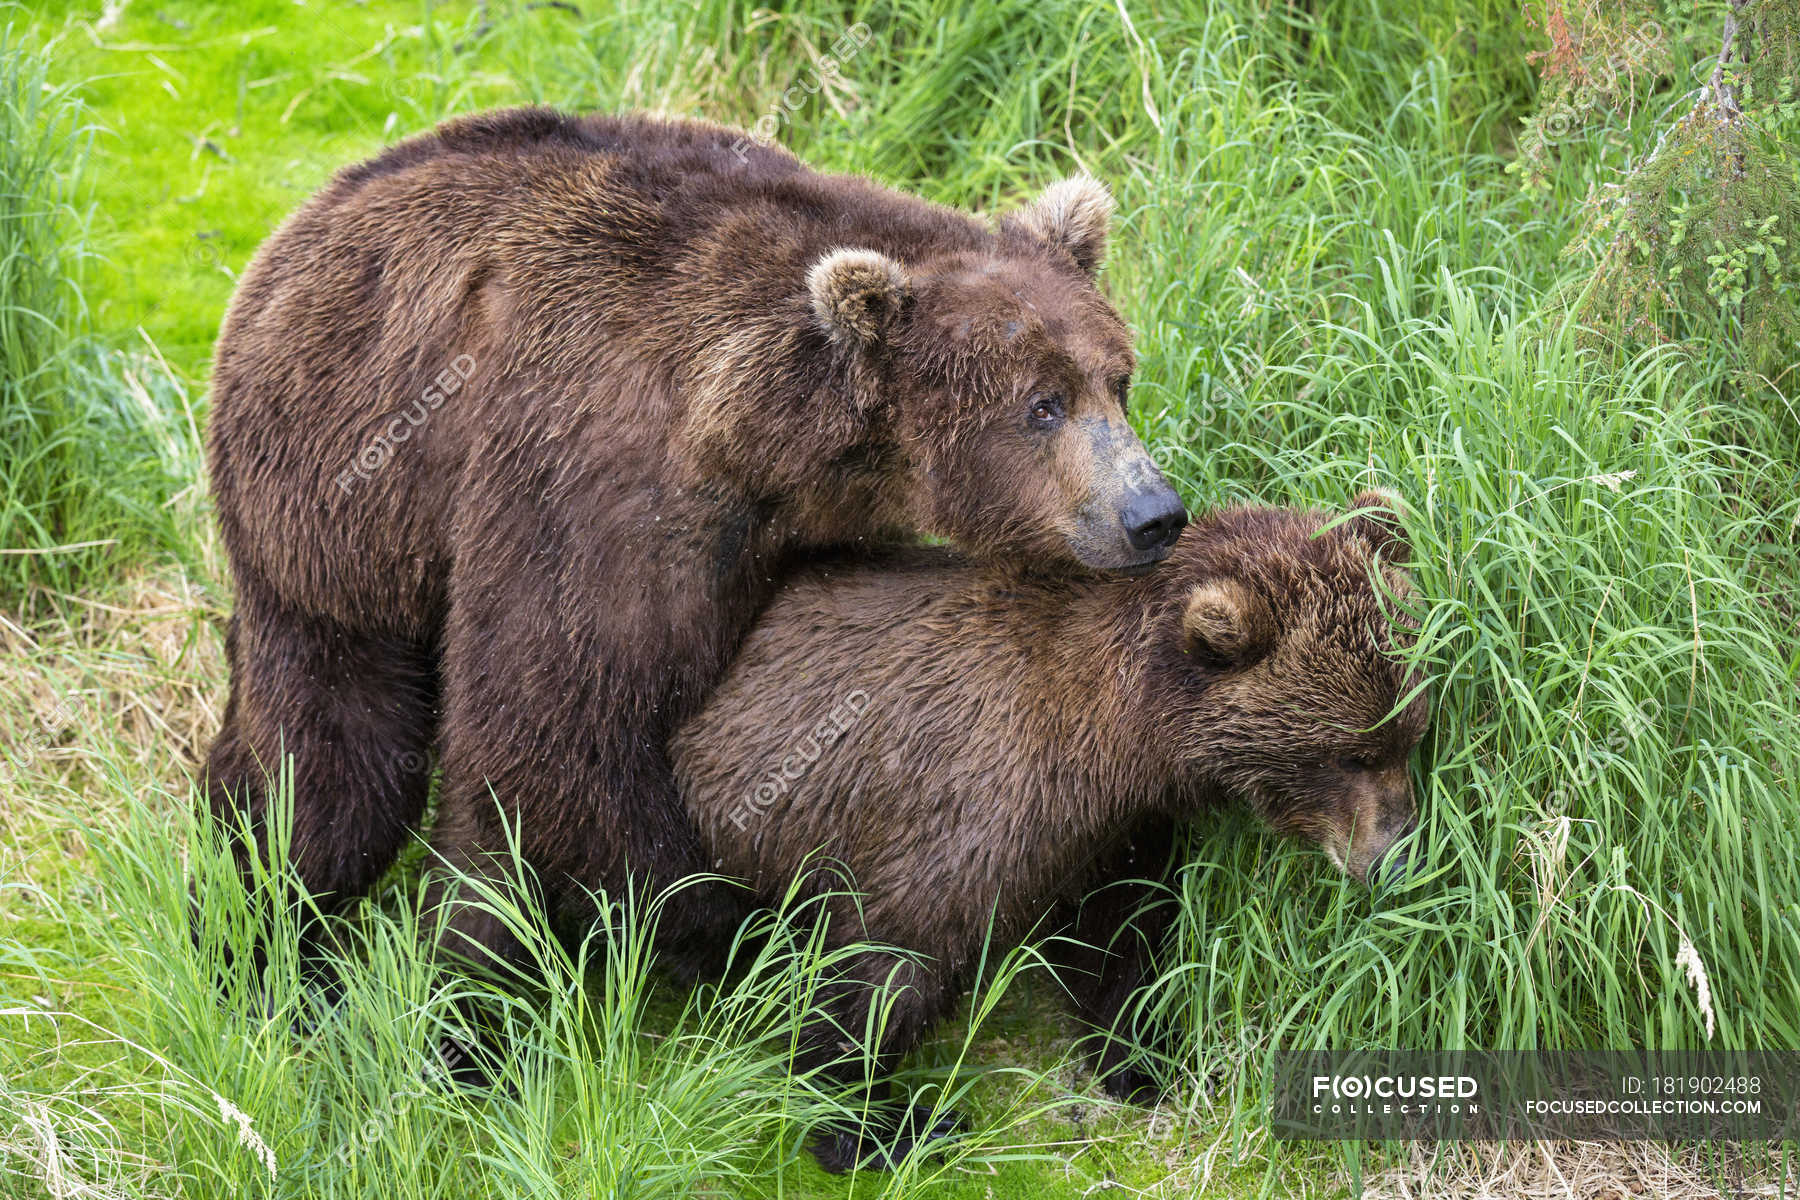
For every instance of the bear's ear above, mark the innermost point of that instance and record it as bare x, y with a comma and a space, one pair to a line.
1376, 515
855, 294
1073, 215
1227, 622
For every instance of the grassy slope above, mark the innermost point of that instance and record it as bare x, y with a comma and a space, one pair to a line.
1334, 283
219, 119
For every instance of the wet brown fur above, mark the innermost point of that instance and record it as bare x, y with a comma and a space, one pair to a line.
550, 571
1009, 741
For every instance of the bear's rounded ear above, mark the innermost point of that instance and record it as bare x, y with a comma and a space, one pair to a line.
1226, 622
1073, 215
855, 294
1376, 515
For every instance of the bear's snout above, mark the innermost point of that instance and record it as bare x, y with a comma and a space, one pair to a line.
1131, 516
1382, 813
1393, 866
1154, 518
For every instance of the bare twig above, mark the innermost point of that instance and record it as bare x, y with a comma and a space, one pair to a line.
1733, 48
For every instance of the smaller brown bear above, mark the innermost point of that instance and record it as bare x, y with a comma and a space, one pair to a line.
976, 748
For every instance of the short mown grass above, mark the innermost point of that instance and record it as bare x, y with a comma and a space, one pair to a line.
1335, 285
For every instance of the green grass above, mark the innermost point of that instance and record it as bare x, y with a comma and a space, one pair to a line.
96, 443
1335, 284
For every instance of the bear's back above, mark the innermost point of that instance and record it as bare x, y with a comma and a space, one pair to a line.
658, 154
919, 719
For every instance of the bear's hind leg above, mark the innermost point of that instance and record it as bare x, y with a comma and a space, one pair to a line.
356, 713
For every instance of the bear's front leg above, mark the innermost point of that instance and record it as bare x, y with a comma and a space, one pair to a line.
1107, 952
885, 1139
867, 1022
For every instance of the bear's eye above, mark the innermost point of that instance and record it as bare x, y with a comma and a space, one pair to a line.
1358, 762
1122, 390
1046, 410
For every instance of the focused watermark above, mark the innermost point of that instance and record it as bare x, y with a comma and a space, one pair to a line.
781, 112
399, 428
46, 731
378, 1126
1606, 87
808, 748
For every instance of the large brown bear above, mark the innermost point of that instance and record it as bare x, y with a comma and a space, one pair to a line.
974, 748
516, 427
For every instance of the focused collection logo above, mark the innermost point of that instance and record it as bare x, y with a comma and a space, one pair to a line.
1403, 1095
1508, 1095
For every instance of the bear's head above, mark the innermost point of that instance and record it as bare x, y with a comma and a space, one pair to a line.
1004, 375
1289, 631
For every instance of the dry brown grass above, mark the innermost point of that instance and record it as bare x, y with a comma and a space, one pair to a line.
1572, 1171
103, 698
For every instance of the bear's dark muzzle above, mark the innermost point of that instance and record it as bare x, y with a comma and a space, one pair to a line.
1154, 518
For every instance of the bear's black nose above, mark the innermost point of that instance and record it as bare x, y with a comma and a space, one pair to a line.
1154, 519
1394, 865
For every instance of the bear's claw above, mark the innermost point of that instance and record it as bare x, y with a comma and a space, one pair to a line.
883, 1148
1131, 1085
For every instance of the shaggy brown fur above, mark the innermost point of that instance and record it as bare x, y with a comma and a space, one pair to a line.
517, 426
972, 744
